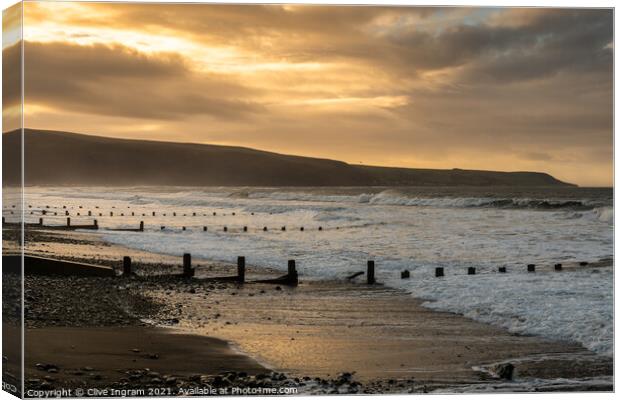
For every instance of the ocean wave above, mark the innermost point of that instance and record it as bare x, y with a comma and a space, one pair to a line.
391, 197
605, 214
396, 197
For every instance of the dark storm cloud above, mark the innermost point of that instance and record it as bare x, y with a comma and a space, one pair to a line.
115, 80
547, 40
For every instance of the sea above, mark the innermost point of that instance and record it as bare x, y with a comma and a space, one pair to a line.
407, 228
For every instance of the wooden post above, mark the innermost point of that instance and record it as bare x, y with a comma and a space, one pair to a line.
370, 272
188, 271
438, 272
531, 268
502, 270
292, 273
471, 271
68, 221
41, 221
558, 267
126, 266
241, 269
141, 226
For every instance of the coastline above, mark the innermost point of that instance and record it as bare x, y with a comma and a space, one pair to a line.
323, 328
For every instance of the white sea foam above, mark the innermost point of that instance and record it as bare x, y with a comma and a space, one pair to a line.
399, 230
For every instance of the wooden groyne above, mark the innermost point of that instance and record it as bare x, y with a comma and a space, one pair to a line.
33, 265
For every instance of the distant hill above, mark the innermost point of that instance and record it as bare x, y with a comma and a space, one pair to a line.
62, 158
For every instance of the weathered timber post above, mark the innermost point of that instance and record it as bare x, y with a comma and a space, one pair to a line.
370, 272
293, 278
241, 269
188, 271
126, 266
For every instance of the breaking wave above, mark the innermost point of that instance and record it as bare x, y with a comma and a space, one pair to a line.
393, 197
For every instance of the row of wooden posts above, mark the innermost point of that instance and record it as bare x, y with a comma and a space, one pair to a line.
291, 278
133, 213
439, 271
95, 225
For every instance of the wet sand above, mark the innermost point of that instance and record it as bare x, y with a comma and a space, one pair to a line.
104, 354
325, 328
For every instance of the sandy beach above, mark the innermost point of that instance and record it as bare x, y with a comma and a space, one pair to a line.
321, 335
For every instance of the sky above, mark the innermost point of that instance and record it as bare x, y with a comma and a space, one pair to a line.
509, 89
